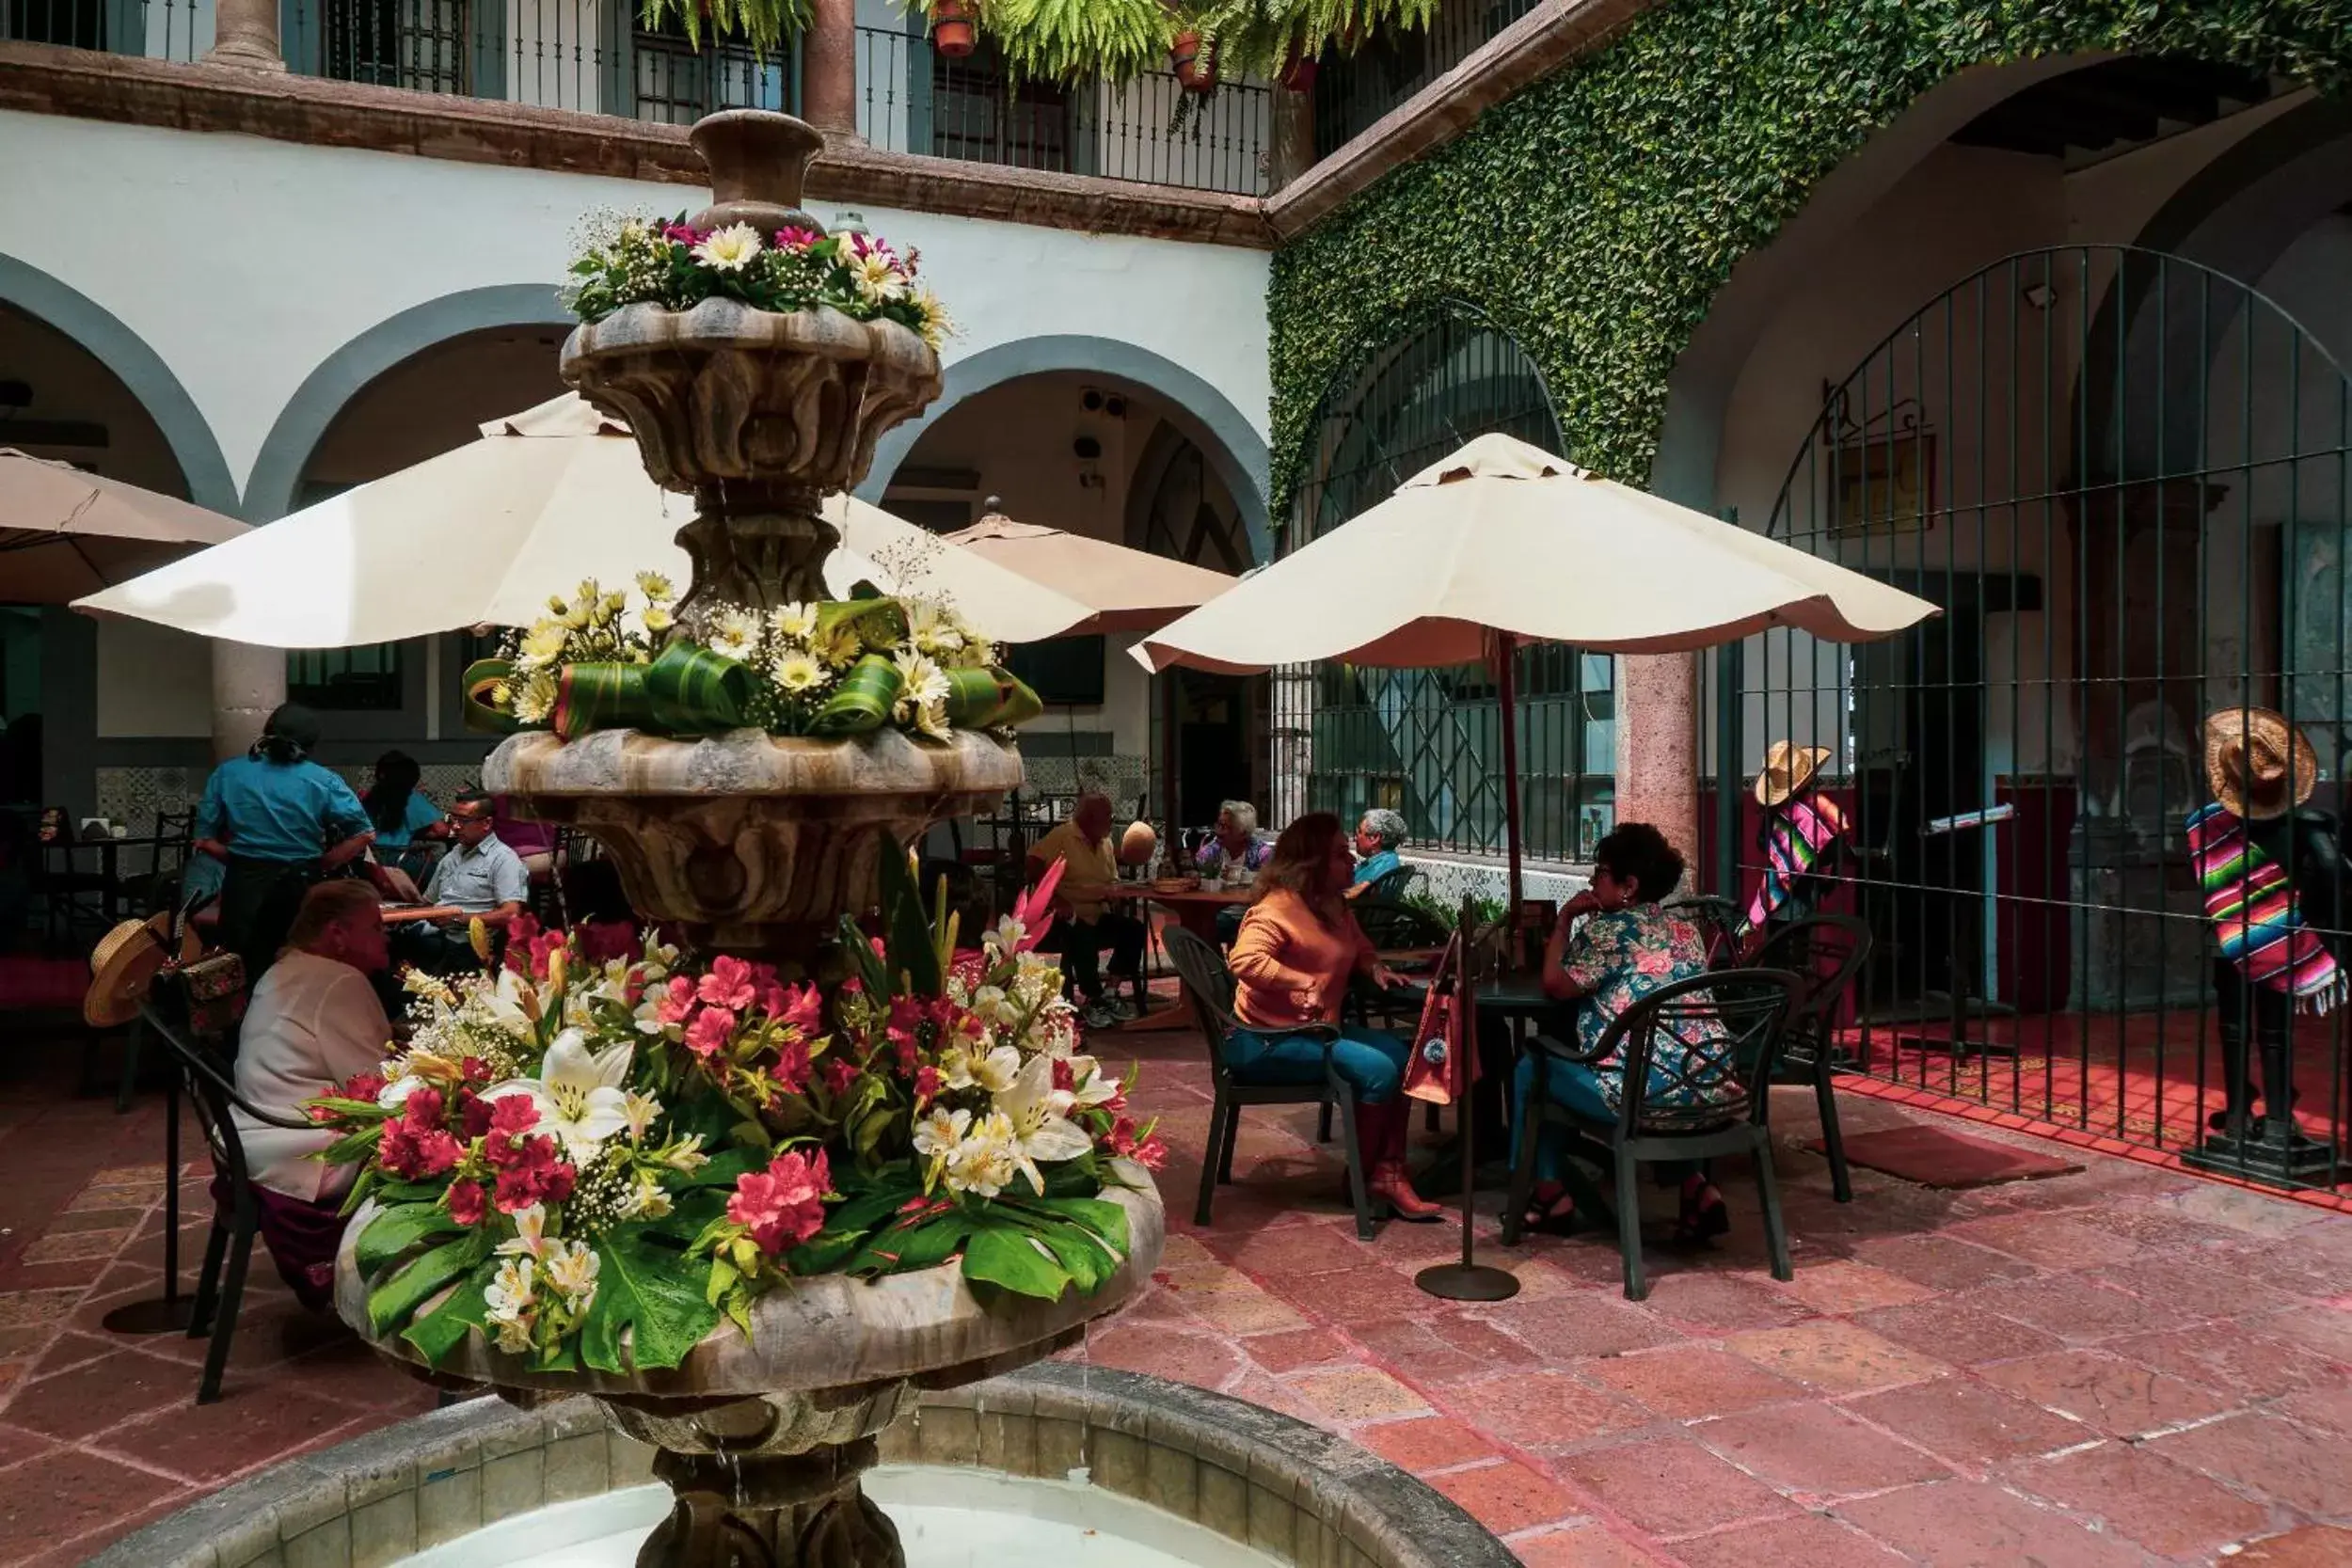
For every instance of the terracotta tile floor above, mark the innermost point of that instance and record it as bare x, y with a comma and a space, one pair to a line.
2122, 1366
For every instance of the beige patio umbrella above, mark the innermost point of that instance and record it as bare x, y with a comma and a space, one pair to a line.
1128, 589
64, 532
1501, 544
482, 534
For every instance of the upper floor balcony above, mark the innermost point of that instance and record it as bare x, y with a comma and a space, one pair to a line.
598, 57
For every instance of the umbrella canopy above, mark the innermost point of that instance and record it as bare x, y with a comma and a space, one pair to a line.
1128, 589
64, 532
1504, 543
1504, 537
485, 533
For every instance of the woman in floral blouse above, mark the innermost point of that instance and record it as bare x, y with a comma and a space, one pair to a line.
1630, 946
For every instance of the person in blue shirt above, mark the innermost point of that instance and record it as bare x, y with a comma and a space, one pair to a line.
1378, 834
277, 821
405, 820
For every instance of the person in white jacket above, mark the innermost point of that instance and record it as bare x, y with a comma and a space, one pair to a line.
315, 1023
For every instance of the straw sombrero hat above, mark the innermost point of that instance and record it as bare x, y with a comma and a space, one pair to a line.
123, 965
1788, 768
1137, 844
2257, 765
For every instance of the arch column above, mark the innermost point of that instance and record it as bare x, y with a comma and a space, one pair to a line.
1658, 755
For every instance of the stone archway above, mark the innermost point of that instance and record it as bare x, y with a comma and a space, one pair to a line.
1201, 413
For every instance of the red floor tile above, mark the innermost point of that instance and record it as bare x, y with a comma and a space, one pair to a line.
90, 1398
1670, 1486
1966, 1423
62, 1497
2265, 1457
1296, 1348
1688, 1381
1807, 1540
1968, 1525
1507, 1497
1941, 1262
2235, 1360
1588, 1546
210, 1443
2145, 1497
2081, 1311
1815, 1450
1963, 1334
1594, 1323
1542, 1409
1424, 1443
2119, 1398
1834, 1356
2312, 1546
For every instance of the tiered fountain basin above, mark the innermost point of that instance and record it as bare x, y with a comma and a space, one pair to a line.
1125, 1471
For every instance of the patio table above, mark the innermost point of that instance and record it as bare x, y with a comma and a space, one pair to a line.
1195, 909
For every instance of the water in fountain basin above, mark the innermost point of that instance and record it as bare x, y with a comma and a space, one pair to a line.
947, 1518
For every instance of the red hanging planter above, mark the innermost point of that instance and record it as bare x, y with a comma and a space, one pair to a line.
952, 32
1298, 71
1195, 66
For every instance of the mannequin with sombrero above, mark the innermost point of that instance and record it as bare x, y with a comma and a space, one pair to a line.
2272, 873
1802, 835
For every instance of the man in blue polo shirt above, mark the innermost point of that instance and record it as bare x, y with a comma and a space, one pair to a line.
481, 877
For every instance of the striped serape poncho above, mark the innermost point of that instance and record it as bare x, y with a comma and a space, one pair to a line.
1798, 833
2252, 906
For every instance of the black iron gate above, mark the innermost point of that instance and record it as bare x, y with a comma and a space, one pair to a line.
2123, 477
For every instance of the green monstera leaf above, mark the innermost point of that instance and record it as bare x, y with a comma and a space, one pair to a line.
646, 1291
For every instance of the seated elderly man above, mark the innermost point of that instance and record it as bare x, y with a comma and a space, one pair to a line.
1378, 834
480, 876
1087, 926
315, 1024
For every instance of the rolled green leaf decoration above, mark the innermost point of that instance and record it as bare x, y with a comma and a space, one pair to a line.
600, 696
695, 691
879, 623
481, 676
863, 700
1020, 704
975, 697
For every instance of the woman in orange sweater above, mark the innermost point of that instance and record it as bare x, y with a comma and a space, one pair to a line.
1297, 949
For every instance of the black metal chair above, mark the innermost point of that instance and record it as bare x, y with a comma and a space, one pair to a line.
1210, 987
1825, 953
1747, 1006
229, 1251
1718, 920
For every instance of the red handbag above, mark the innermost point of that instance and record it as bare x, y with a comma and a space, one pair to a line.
1441, 1067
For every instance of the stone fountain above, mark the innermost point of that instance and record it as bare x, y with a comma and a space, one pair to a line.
756, 844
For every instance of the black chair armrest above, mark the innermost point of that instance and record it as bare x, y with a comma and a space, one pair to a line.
1559, 1051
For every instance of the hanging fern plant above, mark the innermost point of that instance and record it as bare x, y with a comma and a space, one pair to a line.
1057, 40
1266, 37
765, 24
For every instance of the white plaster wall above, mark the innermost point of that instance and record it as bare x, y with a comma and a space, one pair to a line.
282, 253
152, 681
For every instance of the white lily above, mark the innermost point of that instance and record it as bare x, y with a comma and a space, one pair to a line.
577, 1094
1092, 1087
530, 1234
937, 1136
686, 1156
1039, 1130
960, 1068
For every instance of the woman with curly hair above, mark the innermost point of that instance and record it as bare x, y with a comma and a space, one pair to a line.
1298, 949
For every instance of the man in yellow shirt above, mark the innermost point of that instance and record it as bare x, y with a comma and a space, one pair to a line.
1088, 927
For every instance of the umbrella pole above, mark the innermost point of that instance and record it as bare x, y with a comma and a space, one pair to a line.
1467, 1280
1506, 653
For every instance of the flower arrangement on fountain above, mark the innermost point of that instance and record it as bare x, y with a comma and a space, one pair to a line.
595, 1163
627, 261
831, 670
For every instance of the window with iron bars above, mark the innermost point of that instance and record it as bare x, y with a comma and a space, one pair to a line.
1427, 743
980, 114
67, 24
419, 44
676, 82
345, 680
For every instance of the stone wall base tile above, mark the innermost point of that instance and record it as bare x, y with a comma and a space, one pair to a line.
512, 1485
383, 1531
327, 1546
448, 1507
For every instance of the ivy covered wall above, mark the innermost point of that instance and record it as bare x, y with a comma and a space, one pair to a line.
1595, 215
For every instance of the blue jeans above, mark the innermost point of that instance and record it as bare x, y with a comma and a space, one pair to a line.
1574, 1084
1371, 1060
